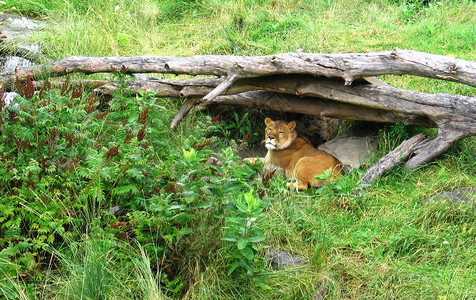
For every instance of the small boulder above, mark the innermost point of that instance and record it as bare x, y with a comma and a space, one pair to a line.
466, 195
352, 151
282, 259
22, 23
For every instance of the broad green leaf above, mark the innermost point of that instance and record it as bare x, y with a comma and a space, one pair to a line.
230, 239
256, 239
248, 253
242, 243
233, 268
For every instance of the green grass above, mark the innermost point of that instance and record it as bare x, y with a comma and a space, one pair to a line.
382, 243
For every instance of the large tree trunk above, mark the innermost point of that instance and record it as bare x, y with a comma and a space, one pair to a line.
331, 85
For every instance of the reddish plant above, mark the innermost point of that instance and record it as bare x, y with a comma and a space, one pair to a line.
215, 118
145, 145
27, 91
141, 134
112, 152
70, 139
65, 88
2, 99
128, 137
261, 194
201, 146
246, 137
101, 115
267, 176
46, 87
77, 92
143, 115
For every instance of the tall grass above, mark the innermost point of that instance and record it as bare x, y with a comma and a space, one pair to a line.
181, 27
244, 27
90, 270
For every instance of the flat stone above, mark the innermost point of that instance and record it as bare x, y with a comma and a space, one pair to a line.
352, 151
466, 195
22, 23
282, 259
9, 98
10, 63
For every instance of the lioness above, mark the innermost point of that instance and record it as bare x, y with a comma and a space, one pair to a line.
296, 155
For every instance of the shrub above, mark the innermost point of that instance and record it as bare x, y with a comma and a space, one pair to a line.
65, 164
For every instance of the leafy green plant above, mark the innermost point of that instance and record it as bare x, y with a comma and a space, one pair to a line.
243, 229
238, 128
63, 162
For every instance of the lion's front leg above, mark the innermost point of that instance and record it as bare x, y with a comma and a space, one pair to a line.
254, 160
298, 183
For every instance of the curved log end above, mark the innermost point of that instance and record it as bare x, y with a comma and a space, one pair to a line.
445, 140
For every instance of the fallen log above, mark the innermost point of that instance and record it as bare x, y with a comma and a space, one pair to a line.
331, 85
349, 66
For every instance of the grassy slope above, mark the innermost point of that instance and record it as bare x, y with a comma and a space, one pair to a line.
384, 245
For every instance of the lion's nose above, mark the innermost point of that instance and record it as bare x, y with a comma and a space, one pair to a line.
271, 137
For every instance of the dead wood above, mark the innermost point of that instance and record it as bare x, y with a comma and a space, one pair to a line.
273, 101
396, 156
349, 66
330, 85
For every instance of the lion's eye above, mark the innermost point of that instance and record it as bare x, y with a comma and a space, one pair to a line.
281, 132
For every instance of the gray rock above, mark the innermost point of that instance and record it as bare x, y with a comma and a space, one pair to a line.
323, 289
117, 211
282, 259
16, 31
114, 210
467, 195
10, 63
351, 150
22, 23
9, 98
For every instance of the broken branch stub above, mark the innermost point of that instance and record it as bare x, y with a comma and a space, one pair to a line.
396, 156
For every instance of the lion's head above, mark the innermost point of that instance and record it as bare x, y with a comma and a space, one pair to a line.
279, 134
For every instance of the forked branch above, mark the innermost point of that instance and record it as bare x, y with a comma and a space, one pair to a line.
332, 85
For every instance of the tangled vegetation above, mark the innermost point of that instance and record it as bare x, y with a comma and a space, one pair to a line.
101, 200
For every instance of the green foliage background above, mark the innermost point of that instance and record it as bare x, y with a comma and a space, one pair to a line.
194, 221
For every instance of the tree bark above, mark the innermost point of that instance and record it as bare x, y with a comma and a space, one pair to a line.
313, 106
395, 157
349, 66
331, 85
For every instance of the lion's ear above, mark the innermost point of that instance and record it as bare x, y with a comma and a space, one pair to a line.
292, 125
268, 121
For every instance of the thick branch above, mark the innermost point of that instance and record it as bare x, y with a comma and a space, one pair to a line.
393, 158
432, 108
412, 108
183, 111
348, 66
312, 106
221, 88
439, 145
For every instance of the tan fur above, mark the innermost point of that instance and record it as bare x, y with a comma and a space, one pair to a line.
296, 155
